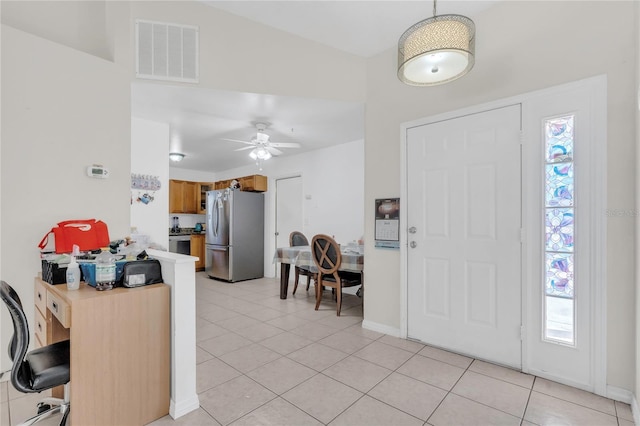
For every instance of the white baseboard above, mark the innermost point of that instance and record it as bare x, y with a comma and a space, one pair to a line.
626, 396
381, 328
635, 410
619, 394
184, 406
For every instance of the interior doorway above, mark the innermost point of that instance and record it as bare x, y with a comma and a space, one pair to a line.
289, 204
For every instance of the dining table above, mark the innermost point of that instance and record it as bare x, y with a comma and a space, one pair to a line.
352, 261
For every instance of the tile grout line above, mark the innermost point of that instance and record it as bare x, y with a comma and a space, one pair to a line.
526, 406
448, 391
468, 368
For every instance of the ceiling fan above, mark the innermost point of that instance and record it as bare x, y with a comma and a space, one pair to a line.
262, 148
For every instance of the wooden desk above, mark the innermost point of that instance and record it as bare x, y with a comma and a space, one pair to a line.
301, 256
120, 353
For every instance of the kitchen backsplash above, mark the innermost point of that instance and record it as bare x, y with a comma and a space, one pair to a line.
188, 220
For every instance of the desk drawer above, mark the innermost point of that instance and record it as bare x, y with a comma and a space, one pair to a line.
40, 329
40, 297
59, 308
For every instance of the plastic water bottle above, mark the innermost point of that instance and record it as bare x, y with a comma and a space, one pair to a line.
105, 270
73, 274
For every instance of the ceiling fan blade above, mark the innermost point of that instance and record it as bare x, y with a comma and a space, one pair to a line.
236, 140
274, 151
245, 148
285, 144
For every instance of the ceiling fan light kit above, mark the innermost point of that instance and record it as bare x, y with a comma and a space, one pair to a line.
436, 50
261, 147
260, 153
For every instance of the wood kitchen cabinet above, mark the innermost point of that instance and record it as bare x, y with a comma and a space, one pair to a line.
253, 183
201, 195
182, 197
197, 250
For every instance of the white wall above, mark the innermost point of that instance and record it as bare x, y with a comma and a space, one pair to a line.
637, 196
521, 46
62, 110
80, 25
333, 177
150, 156
231, 46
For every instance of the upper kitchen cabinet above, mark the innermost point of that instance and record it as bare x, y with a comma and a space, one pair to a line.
182, 197
201, 195
253, 183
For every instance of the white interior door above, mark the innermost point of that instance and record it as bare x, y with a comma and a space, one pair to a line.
289, 203
464, 221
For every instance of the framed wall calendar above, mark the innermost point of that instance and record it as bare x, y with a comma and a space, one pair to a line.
387, 233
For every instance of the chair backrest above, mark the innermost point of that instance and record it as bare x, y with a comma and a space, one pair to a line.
19, 343
297, 238
326, 254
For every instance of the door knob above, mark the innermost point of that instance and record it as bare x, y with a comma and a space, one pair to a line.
412, 230
413, 244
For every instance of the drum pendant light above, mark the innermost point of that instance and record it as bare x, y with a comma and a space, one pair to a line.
436, 50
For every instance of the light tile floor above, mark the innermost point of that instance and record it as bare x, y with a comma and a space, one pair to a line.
266, 361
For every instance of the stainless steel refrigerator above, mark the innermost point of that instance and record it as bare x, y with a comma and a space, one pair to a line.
235, 235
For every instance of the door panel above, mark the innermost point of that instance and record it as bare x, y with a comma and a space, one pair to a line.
219, 262
218, 218
464, 275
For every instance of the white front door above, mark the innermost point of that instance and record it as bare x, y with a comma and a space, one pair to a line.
464, 221
288, 210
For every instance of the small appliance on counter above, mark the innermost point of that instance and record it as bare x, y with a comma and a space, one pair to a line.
197, 228
175, 225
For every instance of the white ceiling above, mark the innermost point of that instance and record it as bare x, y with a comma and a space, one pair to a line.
361, 27
200, 118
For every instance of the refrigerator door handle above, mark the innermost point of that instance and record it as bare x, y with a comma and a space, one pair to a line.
217, 216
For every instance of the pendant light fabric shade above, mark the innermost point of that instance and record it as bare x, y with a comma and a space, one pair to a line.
436, 50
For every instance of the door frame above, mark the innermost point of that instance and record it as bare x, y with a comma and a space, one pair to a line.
292, 175
598, 226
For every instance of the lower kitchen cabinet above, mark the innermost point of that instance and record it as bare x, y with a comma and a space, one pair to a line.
197, 249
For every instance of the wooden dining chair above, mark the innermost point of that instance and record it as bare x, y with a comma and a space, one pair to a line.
297, 238
327, 257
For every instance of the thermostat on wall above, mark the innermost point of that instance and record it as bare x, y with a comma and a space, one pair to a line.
97, 171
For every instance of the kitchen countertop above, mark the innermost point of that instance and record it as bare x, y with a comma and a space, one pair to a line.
185, 231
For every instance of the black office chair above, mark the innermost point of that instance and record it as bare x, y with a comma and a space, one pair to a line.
41, 369
297, 238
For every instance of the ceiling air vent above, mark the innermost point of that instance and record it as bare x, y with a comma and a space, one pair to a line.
166, 51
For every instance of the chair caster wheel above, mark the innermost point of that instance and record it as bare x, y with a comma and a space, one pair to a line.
42, 407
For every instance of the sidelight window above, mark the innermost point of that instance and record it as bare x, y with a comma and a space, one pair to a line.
559, 283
